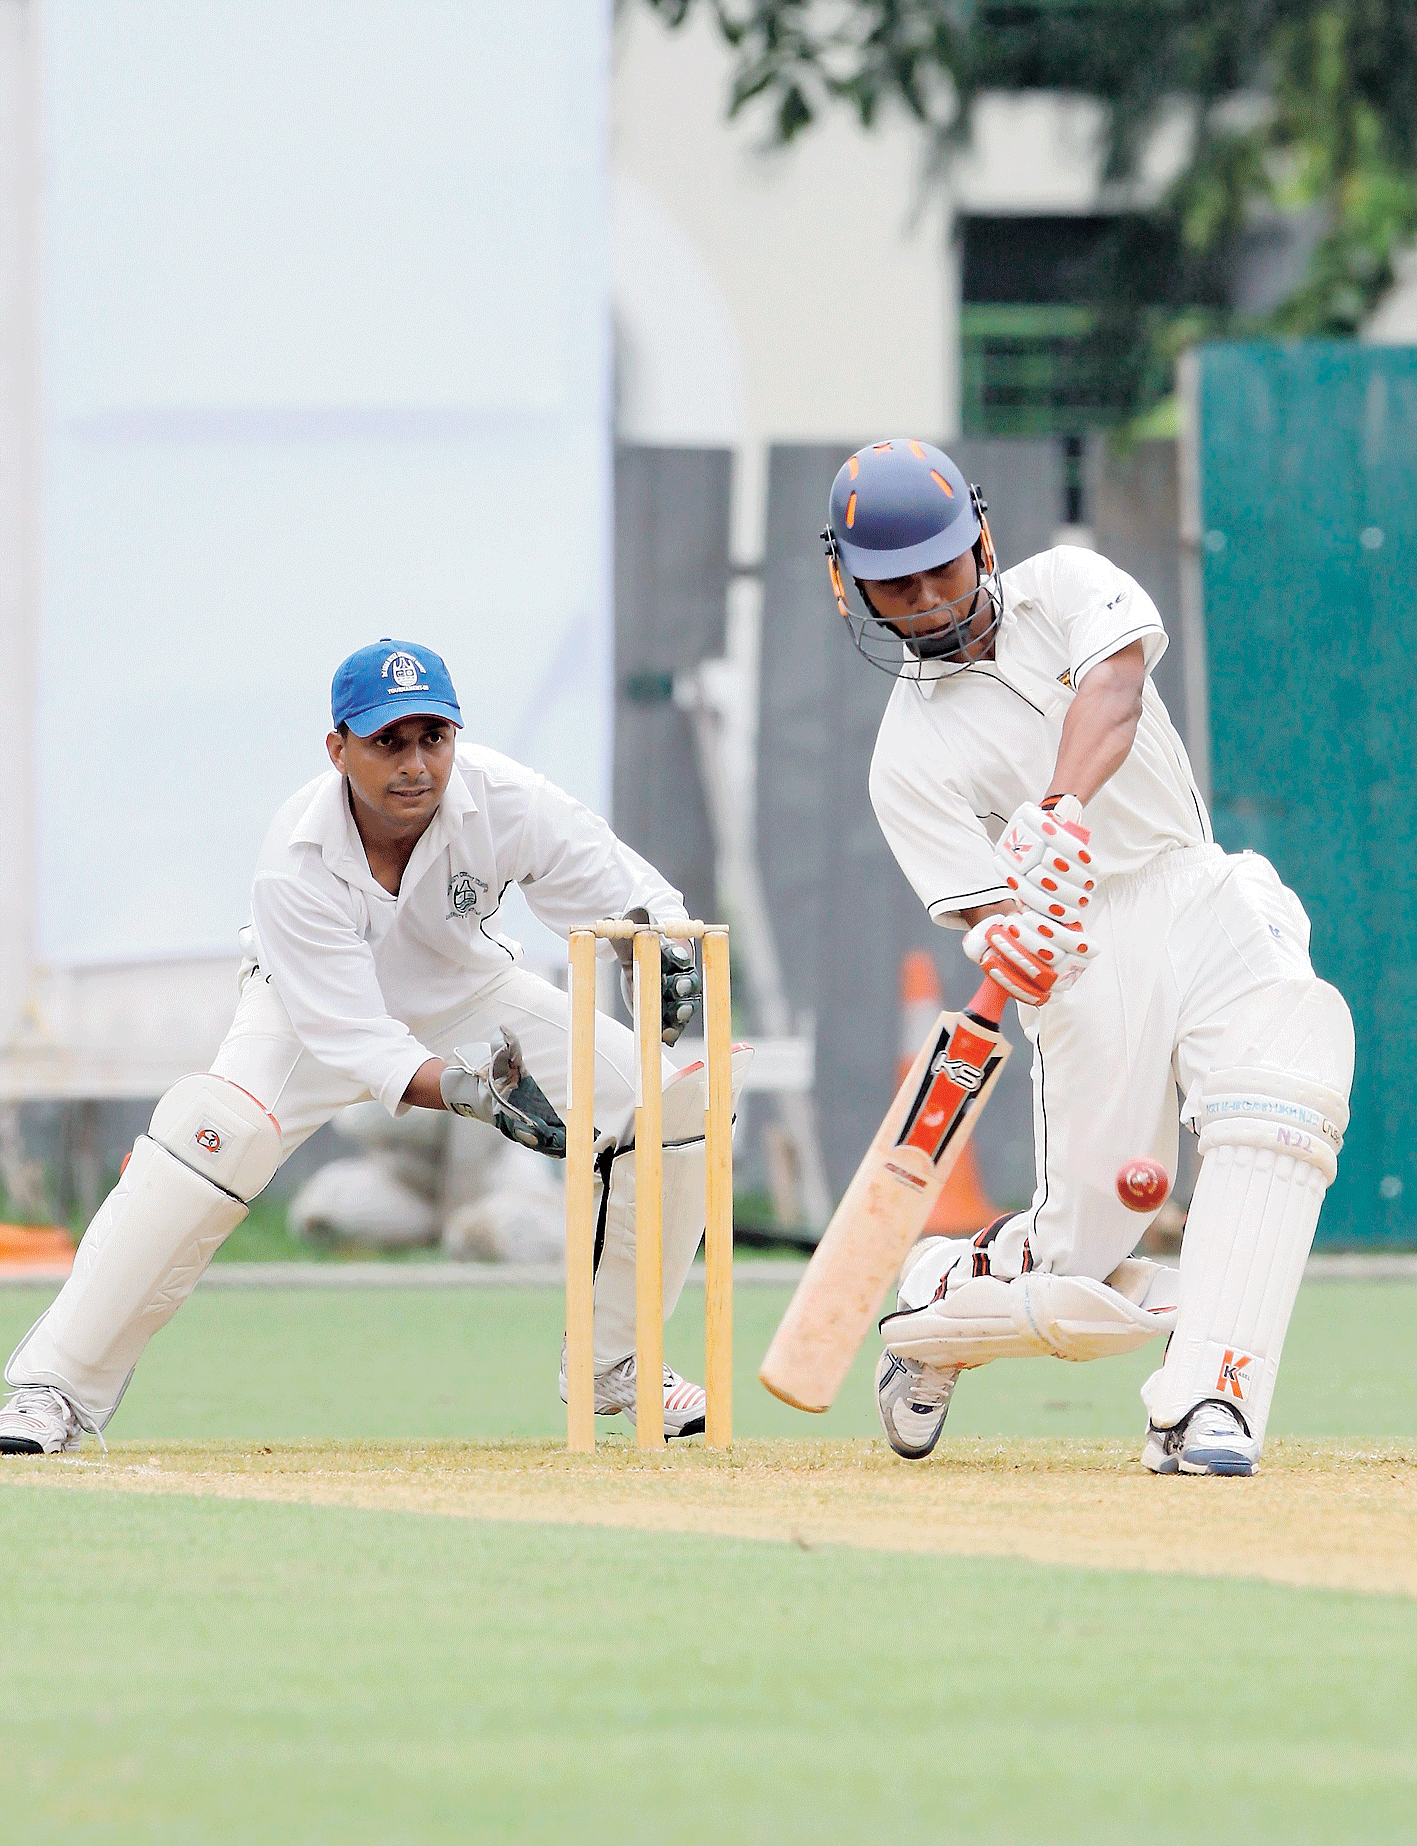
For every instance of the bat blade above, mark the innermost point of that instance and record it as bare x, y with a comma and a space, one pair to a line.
885, 1209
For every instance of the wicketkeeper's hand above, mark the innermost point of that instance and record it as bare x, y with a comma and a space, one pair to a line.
680, 987
499, 1091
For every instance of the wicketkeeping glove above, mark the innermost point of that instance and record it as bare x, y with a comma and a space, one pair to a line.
499, 1091
680, 987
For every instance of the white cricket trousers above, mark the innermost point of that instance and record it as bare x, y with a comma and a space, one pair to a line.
263, 1054
1179, 946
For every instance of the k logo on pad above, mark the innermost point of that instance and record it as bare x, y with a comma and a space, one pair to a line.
1234, 1376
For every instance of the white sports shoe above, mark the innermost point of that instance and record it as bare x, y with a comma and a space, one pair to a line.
685, 1403
39, 1421
1211, 1440
914, 1401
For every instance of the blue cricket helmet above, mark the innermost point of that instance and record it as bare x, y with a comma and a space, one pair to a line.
899, 507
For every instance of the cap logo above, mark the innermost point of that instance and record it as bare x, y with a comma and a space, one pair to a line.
406, 671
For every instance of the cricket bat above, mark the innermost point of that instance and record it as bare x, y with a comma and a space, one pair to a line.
887, 1205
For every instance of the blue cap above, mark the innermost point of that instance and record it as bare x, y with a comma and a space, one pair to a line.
392, 680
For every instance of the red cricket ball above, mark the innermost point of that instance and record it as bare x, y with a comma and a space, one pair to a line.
1142, 1184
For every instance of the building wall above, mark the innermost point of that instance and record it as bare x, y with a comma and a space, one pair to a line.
794, 295
786, 295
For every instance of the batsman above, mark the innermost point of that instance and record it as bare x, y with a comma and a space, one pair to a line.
1037, 796
376, 966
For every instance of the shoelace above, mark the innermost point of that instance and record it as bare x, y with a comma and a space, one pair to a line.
1215, 1420
931, 1396
679, 1393
38, 1400
627, 1367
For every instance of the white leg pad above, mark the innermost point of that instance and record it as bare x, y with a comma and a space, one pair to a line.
932, 1259
150, 1241
1269, 1143
1248, 1236
682, 1128
1071, 1317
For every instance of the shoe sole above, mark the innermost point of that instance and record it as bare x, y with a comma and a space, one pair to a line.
1218, 1461
20, 1445
913, 1454
672, 1432
916, 1454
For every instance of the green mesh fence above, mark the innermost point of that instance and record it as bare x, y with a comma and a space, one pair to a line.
1308, 503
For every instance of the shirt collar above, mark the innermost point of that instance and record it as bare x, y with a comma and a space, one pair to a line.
328, 823
930, 675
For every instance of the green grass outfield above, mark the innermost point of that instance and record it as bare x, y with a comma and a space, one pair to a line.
195, 1669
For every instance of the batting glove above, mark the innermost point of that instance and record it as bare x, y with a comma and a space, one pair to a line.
1031, 957
1045, 862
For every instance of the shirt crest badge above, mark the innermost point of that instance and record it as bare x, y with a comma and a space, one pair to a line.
463, 889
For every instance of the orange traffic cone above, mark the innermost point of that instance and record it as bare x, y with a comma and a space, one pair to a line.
45, 1248
964, 1205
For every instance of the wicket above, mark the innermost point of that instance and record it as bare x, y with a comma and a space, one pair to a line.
649, 1155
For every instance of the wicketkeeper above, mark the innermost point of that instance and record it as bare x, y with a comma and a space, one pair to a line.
373, 962
1150, 967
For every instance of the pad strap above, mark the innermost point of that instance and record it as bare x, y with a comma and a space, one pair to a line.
1271, 1109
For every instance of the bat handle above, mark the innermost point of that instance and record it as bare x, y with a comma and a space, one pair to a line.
987, 1006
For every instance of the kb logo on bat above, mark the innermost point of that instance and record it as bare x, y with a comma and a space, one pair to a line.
958, 1072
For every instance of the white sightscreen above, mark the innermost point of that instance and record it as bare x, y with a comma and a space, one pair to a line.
325, 359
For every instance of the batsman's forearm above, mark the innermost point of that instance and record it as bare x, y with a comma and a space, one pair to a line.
977, 912
1101, 726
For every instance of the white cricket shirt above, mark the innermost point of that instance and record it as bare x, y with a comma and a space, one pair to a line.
958, 752
358, 968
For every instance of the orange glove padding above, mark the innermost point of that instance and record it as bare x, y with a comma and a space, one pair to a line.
1046, 863
1032, 957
